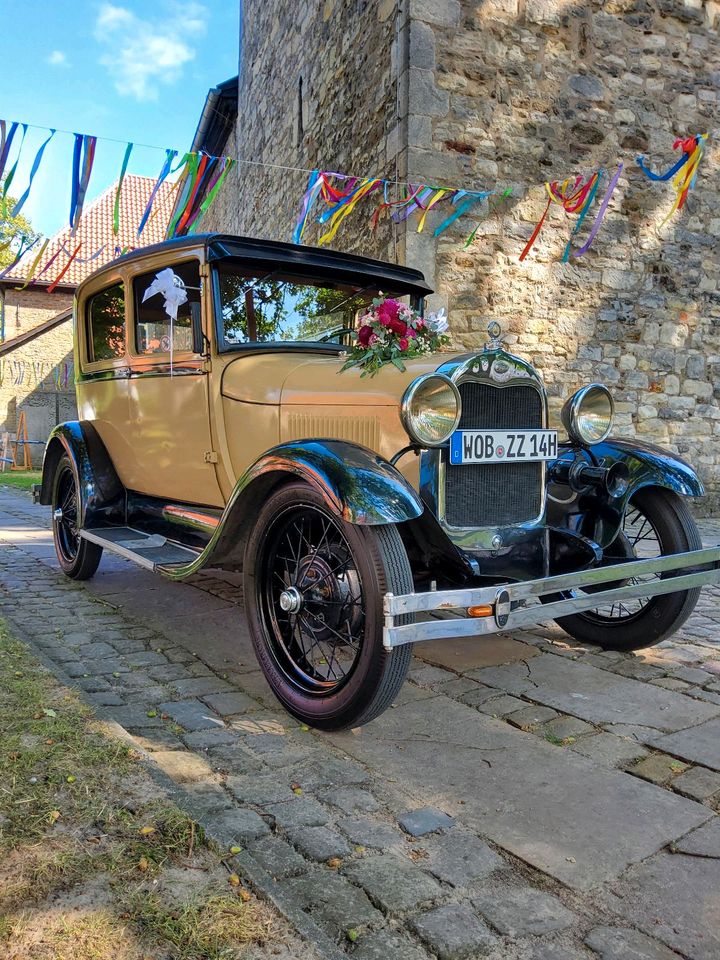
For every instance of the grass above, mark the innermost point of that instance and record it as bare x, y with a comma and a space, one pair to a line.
20, 479
93, 863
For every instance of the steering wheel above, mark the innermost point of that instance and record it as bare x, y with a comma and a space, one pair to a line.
337, 332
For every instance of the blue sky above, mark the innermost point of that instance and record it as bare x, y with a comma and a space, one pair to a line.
127, 70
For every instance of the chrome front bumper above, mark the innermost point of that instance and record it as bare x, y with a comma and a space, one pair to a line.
517, 605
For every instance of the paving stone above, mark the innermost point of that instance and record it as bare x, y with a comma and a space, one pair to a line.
319, 843
200, 686
112, 665
96, 651
393, 883
658, 768
94, 685
501, 706
454, 932
609, 749
613, 943
692, 675
564, 727
133, 717
670, 683
230, 703
637, 670
371, 833
299, 812
456, 687
237, 825
480, 694
700, 744
385, 945
425, 820
596, 695
530, 718
76, 669
331, 900
698, 784
158, 739
523, 911
425, 675
182, 766
313, 774
460, 858
212, 737
189, 714
147, 658
703, 842
106, 699
259, 790
278, 857
234, 759
557, 951
173, 671
674, 899
351, 800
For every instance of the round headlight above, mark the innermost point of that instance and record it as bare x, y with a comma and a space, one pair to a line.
430, 409
588, 414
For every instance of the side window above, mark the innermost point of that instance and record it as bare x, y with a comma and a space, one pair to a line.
106, 315
167, 309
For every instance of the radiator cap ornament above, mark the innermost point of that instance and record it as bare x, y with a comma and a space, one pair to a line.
495, 333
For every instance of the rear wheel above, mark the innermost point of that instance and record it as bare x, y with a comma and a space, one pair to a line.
657, 522
314, 588
78, 558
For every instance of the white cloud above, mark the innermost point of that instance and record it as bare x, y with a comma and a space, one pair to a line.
143, 53
58, 59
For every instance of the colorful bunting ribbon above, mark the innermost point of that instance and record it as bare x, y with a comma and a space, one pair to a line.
83, 157
164, 171
11, 175
683, 173
116, 206
65, 269
6, 140
601, 212
33, 170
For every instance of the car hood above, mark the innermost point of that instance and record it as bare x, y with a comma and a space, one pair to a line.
318, 381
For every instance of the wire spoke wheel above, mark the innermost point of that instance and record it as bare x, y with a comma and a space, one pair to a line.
311, 600
639, 540
65, 515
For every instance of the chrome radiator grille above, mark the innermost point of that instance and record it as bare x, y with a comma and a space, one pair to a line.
489, 495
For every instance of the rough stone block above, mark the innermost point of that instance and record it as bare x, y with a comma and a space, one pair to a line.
564, 727
385, 945
394, 883
609, 749
501, 706
698, 783
460, 858
319, 843
454, 932
612, 943
300, 812
331, 900
278, 857
189, 714
523, 911
259, 790
237, 825
529, 718
703, 842
659, 768
425, 97
442, 13
351, 799
200, 686
425, 820
371, 833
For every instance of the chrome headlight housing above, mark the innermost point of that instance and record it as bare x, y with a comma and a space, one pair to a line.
430, 409
588, 414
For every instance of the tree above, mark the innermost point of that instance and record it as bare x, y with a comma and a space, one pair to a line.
14, 231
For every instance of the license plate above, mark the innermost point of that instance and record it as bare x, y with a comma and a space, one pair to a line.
500, 446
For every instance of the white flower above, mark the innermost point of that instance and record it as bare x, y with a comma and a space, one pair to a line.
438, 321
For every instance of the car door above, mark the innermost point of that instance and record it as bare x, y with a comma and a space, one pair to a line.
169, 420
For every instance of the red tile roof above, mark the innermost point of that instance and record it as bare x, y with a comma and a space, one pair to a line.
96, 231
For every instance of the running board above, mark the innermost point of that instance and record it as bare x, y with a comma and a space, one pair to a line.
151, 551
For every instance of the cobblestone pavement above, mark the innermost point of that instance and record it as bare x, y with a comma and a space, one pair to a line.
524, 799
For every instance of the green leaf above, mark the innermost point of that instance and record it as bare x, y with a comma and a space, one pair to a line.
48, 712
397, 362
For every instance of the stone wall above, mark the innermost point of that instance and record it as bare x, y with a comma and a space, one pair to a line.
28, 374
519, 91
481, 93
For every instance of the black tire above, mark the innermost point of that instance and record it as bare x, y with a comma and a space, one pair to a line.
341, 580
77, 557
658, 617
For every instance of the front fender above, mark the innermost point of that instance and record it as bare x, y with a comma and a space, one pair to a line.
595, 515
356, 484
102, 495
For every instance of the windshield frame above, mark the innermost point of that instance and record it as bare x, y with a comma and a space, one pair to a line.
272, 346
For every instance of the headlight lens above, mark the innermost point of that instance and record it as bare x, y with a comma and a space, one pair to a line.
588, 414
430, 409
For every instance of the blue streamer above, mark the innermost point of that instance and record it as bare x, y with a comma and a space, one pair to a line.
463, 208
169, 157
36, 163
668, 173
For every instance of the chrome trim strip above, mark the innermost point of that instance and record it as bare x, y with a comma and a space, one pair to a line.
523, 616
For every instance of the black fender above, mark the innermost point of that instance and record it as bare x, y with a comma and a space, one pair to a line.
356, 484
102, 495
598, 516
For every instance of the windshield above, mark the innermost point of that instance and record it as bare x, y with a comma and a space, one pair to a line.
276, 307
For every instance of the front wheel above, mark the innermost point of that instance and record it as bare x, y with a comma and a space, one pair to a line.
314, 588
656, 523
78, 558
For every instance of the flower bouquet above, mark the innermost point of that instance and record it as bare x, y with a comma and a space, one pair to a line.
391, 332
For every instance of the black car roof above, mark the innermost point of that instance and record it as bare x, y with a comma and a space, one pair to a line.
302, 260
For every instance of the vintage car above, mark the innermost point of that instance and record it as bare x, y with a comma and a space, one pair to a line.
366, 513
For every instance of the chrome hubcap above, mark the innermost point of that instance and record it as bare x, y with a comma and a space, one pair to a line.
57, 514
291, 600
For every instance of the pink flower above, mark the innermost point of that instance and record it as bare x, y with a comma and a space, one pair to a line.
373, 339
398, 326
411, 332
402, 343
388, 309
419, 324
364, 334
